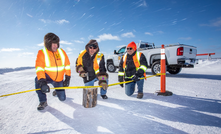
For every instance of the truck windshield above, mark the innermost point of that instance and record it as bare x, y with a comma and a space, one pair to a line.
122, 50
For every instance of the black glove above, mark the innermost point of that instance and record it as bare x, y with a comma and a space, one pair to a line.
137, 75
66, 81
135, 78
121, 79
43, 85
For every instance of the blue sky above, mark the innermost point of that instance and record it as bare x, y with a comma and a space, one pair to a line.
112, 22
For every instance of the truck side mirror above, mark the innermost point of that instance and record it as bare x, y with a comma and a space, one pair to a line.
115, 52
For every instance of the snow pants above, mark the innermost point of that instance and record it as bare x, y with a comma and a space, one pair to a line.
91, 83
60, 93
130, 87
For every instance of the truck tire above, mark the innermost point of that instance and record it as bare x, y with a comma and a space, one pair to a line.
111, 68
155, 68
174, 70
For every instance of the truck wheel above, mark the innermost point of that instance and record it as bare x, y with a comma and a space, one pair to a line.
111, 68
174, 70
155, 68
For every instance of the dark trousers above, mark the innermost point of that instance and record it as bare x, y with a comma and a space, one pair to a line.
60, 93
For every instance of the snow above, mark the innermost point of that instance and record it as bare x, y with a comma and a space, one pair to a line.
194, 107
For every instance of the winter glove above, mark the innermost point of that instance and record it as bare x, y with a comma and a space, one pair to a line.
81, 71
102, 77
66, 81
135, 78
43, 85
137, 75
121, 79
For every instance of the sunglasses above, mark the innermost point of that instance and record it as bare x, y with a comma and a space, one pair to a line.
92, 46
129, 48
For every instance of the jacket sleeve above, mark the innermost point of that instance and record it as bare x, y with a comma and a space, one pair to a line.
40, 65
121, 70
67, 65
143, 62
102, 67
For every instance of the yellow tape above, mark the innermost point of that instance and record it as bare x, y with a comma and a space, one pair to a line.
78, 87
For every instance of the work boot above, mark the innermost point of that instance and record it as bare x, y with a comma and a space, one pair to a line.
42, 105
104, 96
140, 95
54, 93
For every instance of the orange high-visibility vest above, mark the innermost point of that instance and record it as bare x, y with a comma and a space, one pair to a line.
97, 60
136, 60
55, 64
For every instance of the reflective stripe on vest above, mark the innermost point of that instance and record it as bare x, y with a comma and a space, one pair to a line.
97, 60
136, 60
39, 69
48, 64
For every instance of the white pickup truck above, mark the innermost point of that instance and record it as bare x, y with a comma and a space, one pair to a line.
177, 57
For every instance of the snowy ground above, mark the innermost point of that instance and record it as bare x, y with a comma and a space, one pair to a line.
194, 107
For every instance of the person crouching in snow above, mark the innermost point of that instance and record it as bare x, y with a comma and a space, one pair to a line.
52, 64
132, 66
90, 65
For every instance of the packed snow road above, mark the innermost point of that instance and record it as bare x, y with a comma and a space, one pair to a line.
194, 107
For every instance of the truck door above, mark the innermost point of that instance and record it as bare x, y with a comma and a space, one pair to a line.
119, 53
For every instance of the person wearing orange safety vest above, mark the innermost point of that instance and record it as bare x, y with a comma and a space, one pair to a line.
52, 64
90, 65
132, 66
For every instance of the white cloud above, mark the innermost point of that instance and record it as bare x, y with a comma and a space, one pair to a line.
78, 41
174, 22
148, 33
65, 42
107, 37
41, 44
185, 38
29, 15
68, 49
62, 21
83, 15
143, 3
128, 35
56, 21
45, 21
10, 49
26, 54
183, 19
213, 23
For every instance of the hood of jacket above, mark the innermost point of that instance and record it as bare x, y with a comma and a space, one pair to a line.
92, 41
49, 39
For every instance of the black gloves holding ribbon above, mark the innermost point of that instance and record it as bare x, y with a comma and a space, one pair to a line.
43, 85
66, 81
121, 79
138, 75
135, 78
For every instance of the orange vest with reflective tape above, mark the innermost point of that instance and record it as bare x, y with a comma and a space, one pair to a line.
54, 64
135, 60
97, 60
